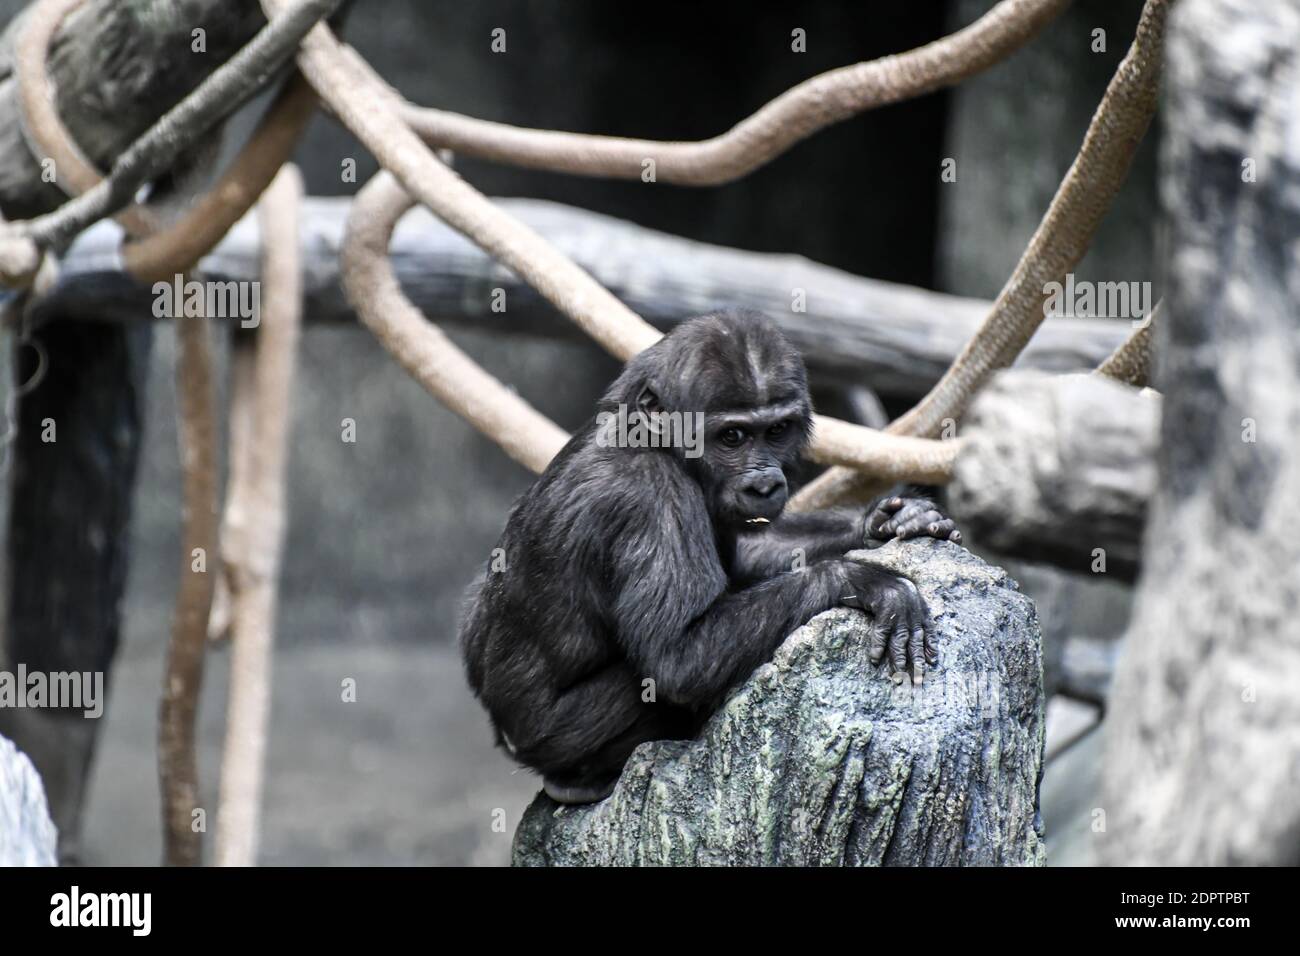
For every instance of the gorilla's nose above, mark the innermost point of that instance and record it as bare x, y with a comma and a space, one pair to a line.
765, 486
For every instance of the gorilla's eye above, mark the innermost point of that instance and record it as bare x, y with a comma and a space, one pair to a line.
777, 430
732, 437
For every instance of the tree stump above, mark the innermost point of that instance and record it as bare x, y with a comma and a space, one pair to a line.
820, 759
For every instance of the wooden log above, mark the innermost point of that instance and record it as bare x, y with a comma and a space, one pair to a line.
1203, 735
898, 339
1059, 469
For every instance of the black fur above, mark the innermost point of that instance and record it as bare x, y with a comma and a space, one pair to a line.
627, 565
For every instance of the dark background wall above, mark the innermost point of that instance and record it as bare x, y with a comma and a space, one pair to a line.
860, 195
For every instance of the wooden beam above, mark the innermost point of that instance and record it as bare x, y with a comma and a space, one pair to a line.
895, 338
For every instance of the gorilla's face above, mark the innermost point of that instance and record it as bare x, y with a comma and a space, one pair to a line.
745, 459
745, 389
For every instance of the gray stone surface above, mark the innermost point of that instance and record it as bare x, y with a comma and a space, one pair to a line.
819, 759
1056, 467
27, 835
1203, 736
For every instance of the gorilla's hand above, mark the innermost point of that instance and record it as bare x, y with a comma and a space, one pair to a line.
909, 518
902, 621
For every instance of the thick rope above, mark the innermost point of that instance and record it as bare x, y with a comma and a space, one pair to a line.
792, 117
491, 407
364, 104
178, 772
180, 246
42, 127
1060, 242
252, 536
1131, 361
419, 346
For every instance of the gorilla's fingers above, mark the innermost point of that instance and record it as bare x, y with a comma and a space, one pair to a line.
883, 519
931, 647
955, 536
913, 521
942, 528
898, 646
926, 519
917, 652
878, 633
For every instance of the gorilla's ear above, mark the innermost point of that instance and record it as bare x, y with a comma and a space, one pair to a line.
647, 403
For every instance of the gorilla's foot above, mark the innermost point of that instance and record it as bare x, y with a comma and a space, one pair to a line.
584, 792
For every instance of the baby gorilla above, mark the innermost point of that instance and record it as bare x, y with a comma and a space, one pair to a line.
650, 569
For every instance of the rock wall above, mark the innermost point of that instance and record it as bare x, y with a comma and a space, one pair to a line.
1203, 739
27, 835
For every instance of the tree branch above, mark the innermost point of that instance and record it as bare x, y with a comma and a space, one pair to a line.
227, 88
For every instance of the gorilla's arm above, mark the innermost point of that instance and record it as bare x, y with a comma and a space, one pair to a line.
796, 540
678, 624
